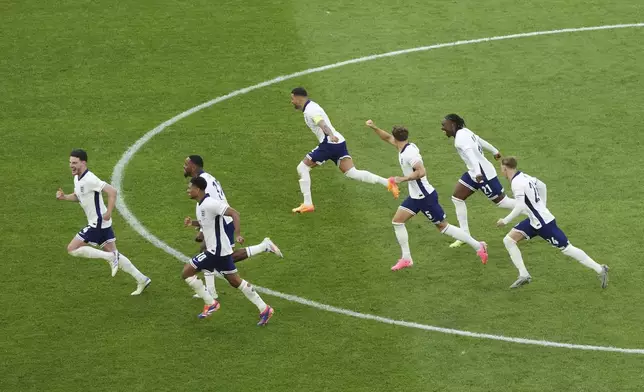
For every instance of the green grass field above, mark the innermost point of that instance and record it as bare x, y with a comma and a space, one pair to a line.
99, 75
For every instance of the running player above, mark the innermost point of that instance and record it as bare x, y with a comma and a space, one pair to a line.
193, 167
529, 195
332, 147
480, 175
422, 197
217, 256
88, 191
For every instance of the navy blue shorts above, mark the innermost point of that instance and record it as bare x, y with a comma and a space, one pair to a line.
229, 228
97, 237
208, 261
428, 205
491, 188
329, 151
549, 232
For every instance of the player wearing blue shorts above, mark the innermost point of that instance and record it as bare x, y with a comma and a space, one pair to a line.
480, 174
530, 196
422, 197
88, 192
217, 256
332, 147
193, 167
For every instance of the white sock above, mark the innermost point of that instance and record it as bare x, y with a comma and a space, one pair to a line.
582, 257
461, 214
305, 182
126, 265
200, 289
403, 239
461, 235
507, 202
515, 255
254, 250
92, 253
252, 295
365, 176
209, 277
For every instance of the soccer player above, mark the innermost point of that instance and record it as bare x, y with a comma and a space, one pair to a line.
422, 197
530, 198
480, 175
88, 191
332, 147
217, 256
193, 167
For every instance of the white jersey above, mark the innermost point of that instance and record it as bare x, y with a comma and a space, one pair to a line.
526, 189
470, 148
210, 214
215, 191
408, 157
89, 190
313, 113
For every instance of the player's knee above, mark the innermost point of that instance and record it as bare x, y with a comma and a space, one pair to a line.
71, 249
508, 242
303, 168
352, 173
456, 200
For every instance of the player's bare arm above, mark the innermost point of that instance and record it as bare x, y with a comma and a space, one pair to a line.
384, 135
111, 200
327, 131
419, 172
233, 213
60, 195
188, 222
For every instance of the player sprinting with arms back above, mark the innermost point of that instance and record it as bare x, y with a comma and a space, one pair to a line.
480, 175
217, 256
422, 197
88, 191
332, 147
530, 198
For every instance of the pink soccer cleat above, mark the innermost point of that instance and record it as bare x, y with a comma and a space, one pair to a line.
402, 263
482, 253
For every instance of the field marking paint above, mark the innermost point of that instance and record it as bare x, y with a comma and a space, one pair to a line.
119, 169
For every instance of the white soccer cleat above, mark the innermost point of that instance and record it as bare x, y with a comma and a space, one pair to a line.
142, 286
271, 247
521, 281
603, 276
456, 244
114, 264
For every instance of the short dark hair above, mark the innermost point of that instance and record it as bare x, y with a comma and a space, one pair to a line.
79, 153
199, 182
458, 120
196, 159
400, 133
300, 92
510, 162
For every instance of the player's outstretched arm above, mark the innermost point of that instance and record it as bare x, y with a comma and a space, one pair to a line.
519, 207
60, 195
490, 148
384, 135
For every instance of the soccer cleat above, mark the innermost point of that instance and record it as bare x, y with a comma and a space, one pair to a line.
456, 244
402, 263
141, 286
393, 187
482, 253
114, 264
521, 281
209, 309
304, 208
603, 276
271, 247
265, 316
